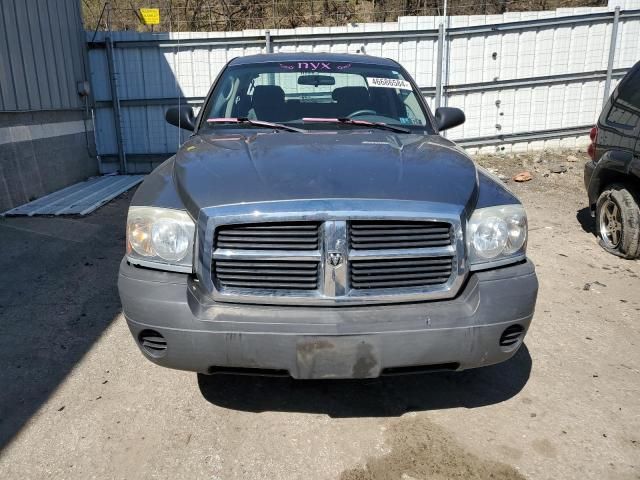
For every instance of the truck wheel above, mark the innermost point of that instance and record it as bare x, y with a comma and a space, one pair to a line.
618, 221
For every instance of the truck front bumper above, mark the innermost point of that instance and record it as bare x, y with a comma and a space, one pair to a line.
174, 328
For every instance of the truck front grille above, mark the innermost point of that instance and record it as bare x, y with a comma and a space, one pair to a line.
266, 274
343, 261
373, 235
404, 273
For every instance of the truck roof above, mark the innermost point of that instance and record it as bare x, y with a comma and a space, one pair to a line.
313, 57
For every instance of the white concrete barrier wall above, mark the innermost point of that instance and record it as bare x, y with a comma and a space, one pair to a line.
172, 70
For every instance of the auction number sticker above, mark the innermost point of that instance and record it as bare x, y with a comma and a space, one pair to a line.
388, 83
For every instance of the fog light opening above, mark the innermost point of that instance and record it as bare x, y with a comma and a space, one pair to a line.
511, 337
152, 343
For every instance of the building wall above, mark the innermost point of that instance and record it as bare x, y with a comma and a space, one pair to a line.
46, 139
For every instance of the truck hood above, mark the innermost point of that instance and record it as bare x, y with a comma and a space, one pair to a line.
222, 169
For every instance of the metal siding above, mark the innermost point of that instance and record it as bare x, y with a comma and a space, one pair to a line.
41, 53
72, 39
99, 75
26, 39
105, 131
7, 93
63, 57
40, 67
15, 64
48, 53
78, 46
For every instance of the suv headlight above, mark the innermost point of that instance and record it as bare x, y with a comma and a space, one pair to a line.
496, 236
160, 238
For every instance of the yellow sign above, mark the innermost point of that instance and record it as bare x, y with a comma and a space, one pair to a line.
150, 16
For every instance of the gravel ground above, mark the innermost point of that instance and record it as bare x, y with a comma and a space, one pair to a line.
79, 401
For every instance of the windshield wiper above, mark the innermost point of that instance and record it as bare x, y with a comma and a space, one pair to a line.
361, 123
256, 123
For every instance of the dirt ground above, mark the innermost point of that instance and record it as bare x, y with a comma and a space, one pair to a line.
78, 400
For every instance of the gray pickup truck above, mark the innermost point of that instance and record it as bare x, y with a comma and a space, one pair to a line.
317, 225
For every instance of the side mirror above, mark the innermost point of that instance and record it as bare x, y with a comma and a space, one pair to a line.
449, 117
182, 117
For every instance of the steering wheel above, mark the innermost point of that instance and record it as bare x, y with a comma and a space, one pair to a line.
357, 113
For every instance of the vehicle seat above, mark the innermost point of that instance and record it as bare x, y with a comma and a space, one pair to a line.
268, 103
385, 101
351, 99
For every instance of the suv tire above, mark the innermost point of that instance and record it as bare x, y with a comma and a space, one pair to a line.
618, 221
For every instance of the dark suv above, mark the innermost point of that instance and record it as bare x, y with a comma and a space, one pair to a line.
612, 177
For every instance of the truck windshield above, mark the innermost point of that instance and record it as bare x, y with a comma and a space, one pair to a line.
300, 92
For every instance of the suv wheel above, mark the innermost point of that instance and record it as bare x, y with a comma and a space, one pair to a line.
618, 221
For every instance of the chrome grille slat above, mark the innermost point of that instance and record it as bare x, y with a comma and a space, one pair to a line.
383, 245
274, 226
356, 276
402, 270
266, 246
272, 285
408, 263
275, 255
400, 230
297, 266
371, 235
280, 234
399, 238
408, 283
402, 253
244, 271
265, 235
229, 277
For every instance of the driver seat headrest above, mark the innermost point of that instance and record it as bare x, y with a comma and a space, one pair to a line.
351, 99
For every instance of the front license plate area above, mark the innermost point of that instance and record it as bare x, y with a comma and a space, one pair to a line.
337, 357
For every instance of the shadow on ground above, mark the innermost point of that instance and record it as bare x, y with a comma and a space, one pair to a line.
58, 295
586, 221
386, 396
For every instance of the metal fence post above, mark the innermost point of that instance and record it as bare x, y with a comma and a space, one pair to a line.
438, 99
612, 54
267, 41
271, 77
115, 101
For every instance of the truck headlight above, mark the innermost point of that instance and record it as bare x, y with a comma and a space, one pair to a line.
496, 235
160, 238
